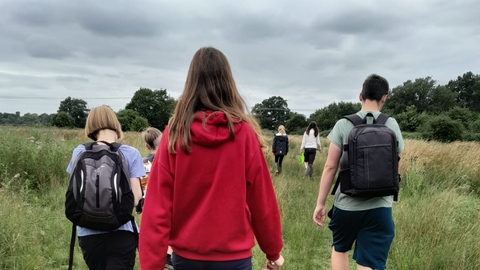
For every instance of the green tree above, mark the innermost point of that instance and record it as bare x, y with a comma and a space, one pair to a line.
76, 108
156, 106
410, 120
467, 90
29, 119
45, 119
296, 123
271, 112
126, 118
442, 99
417, 93
462, 115
9, 119
63, 119
329, 115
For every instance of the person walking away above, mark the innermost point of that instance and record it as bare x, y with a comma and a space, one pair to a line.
115, 248
280, 148
367, 221
310, 145
210, 194
152, 136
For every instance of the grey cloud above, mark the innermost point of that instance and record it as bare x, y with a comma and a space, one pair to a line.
360, 21
37, 14
43, 47
120, 21
71, 79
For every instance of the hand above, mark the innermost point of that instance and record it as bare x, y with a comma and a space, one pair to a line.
319, 215
275, 264
139, 207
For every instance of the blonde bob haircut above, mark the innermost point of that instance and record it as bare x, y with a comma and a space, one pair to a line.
102, 117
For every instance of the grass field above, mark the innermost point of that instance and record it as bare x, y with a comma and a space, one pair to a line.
436, 217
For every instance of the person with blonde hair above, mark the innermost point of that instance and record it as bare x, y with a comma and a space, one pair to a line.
114, 249
152, 137
280, 148
210, 194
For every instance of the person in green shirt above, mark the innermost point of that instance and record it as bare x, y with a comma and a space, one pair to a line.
367, 222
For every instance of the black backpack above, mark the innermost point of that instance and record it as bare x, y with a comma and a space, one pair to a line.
99, 195
369, 162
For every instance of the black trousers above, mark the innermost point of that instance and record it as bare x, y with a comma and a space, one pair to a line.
279, 159
109, 251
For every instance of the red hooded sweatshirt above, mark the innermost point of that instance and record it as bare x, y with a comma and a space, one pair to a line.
210, 204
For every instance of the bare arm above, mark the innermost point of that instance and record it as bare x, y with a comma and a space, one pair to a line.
136, 189
331, 166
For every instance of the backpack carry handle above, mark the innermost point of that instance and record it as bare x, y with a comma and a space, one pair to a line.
113, 146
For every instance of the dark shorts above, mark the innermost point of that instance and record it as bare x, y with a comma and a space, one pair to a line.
309, 154
109, 251
180, 263
371, 230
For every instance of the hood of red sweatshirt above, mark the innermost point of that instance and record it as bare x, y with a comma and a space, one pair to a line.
215, 130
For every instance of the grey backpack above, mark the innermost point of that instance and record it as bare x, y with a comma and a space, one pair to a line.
99, 195
369, 163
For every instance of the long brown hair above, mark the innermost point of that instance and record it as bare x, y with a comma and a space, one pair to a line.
209, 86
313, 125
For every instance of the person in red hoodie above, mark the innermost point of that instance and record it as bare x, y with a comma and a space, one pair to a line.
210, 194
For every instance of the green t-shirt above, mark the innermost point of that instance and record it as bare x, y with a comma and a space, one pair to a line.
339, 137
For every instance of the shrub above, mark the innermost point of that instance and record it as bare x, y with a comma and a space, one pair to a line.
462, 115
442, 128
138, 124
63, 119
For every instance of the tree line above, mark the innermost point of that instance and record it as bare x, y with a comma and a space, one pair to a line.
146, 108
423, 108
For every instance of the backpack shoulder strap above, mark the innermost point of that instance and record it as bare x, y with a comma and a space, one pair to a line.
354, 119
382, 119
89, 145
115, 146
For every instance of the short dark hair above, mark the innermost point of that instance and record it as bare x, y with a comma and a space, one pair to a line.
374, 87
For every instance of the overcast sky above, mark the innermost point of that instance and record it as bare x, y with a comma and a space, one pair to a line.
311, 53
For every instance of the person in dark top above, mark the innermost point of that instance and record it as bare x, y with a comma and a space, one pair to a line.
280, 148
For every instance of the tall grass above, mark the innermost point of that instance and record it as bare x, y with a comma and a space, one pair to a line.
436, 216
